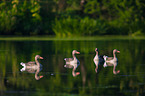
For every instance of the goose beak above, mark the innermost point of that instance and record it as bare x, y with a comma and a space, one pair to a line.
41, 57
118, 51
78, 52
77, 73
41, 76
118, 71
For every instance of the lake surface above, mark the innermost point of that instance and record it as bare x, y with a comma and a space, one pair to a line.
58, 80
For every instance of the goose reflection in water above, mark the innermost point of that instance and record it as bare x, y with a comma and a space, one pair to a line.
33, 67
73, 63
112, 61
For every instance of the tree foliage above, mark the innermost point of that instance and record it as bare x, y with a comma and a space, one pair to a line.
19, 16
34, 17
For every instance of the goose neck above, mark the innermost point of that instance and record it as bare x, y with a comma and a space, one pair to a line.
73, 71
74, 56
114, 54
36, 60
36, 74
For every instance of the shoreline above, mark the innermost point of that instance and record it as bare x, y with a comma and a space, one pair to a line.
88, 38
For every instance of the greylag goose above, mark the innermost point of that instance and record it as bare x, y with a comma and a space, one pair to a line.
114, 58
32, 64
73, 63
112, 61
98, 59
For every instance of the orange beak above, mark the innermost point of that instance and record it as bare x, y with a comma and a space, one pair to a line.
118, 71
78, 52
77, 73
41, 57
41, 76
118, 51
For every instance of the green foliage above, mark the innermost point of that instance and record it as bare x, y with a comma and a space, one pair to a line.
83, 17
29, 18
73, 5
73, 26
138, 33
17, 16
7, 18
92, 7
124, 16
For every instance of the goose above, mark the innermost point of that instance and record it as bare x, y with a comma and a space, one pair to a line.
97, 59
112, 61
73, 63
32, 64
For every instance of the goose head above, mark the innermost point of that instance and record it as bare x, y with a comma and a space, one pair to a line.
75, 52
38, 57
75, 74
96, 50
41, 76
115, 51
116, 72
38, 77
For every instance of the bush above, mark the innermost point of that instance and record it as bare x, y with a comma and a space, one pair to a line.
19, 17
73, 26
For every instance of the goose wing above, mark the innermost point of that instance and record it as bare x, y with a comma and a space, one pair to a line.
31, 63
68, 66
109, 58
68, 59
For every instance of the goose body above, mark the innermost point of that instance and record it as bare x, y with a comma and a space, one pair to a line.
32, 64
114, 58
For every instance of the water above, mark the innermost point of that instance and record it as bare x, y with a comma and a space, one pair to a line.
58, 80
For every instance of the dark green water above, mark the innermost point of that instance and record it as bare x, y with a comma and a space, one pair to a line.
58, 80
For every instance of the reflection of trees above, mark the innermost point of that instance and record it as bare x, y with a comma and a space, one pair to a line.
3, 64
129, 62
